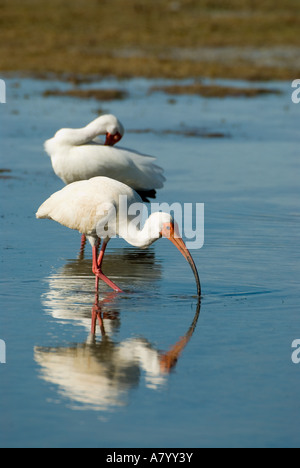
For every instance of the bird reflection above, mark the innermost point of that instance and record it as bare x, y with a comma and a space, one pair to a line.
132, 265
94, 375
69, 288
100, 373
166, 361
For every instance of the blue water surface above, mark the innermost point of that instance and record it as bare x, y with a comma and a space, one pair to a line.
162, 370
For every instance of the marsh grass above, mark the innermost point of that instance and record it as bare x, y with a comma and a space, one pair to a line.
138, 37
212, 91
97, 94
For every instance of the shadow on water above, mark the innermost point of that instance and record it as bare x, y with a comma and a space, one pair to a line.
99, 373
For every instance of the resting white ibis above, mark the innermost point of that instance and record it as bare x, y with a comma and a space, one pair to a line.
84, 206
77, 154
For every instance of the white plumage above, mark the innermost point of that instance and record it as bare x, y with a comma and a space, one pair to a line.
77, 154
81, 205
84, 205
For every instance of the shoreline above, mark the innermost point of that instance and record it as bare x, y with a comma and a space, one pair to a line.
246, 72
237, 63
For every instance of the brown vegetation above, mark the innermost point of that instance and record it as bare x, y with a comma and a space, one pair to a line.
98, 94
211, 91
143, 37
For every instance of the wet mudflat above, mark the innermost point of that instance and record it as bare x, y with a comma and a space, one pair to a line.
152, 367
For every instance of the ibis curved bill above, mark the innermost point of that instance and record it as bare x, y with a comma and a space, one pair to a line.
83, 206
171, 232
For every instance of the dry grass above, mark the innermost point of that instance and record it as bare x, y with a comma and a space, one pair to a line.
98, 94
211, 91
186, 132
138, 37
4, 174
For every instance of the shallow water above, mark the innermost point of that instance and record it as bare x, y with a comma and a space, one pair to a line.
160, 370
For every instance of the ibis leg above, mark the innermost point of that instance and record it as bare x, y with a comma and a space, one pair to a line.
97, 268
82, 247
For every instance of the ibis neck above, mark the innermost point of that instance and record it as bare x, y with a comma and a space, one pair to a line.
141, 238
80, 136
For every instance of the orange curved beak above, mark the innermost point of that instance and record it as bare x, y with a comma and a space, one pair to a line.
111, 140
171, 232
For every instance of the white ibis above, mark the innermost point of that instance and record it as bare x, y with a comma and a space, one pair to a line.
77, 154
84, 206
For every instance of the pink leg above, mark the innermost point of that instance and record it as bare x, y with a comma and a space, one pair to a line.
97, 314
97, 270
82, 247
93, 324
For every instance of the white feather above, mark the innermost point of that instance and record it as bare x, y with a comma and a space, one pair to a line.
83, 204
76, 154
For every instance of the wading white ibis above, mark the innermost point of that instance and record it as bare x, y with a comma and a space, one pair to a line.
84, 206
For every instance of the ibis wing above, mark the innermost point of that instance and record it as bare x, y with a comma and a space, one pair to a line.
77, 207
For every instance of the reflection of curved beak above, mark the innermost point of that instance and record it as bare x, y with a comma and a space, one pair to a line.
111, 140
168, 360
171, 232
